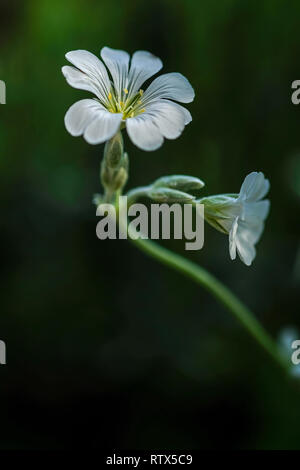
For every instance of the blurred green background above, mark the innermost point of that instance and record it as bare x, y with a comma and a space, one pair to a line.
105, 347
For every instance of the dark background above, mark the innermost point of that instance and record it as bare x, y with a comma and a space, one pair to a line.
105, 347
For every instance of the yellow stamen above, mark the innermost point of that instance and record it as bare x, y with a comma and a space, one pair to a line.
109, 96
125, 91
142, 110
141, 92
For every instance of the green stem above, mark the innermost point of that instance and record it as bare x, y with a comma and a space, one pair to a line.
183, 265
221, 292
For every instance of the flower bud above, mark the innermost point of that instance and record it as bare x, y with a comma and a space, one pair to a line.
169, 195
113, 151
120, 179
180, 182
114, 167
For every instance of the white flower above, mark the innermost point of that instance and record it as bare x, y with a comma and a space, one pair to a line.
149, 116
241, 215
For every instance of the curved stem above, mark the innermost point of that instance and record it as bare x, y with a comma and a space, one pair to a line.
221, 292
195, 272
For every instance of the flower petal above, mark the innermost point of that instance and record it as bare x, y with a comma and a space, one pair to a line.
103, 127
93, 67
80, 80
80, 115
143, 66
170, 85
143, 132
245, 250
117, 62
187, 114
232, 239
258, 209
250, 230
254, 187
169, 118
243, 237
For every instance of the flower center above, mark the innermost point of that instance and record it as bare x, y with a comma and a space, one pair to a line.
129, 106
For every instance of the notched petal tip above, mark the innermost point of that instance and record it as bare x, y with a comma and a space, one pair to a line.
146, 58
108, 53
189, 89
254, 187
172, 86
144, 134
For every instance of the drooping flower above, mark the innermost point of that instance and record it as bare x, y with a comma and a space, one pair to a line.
149, 116
241, 216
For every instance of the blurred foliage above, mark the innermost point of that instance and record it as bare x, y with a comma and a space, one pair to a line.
104, 346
